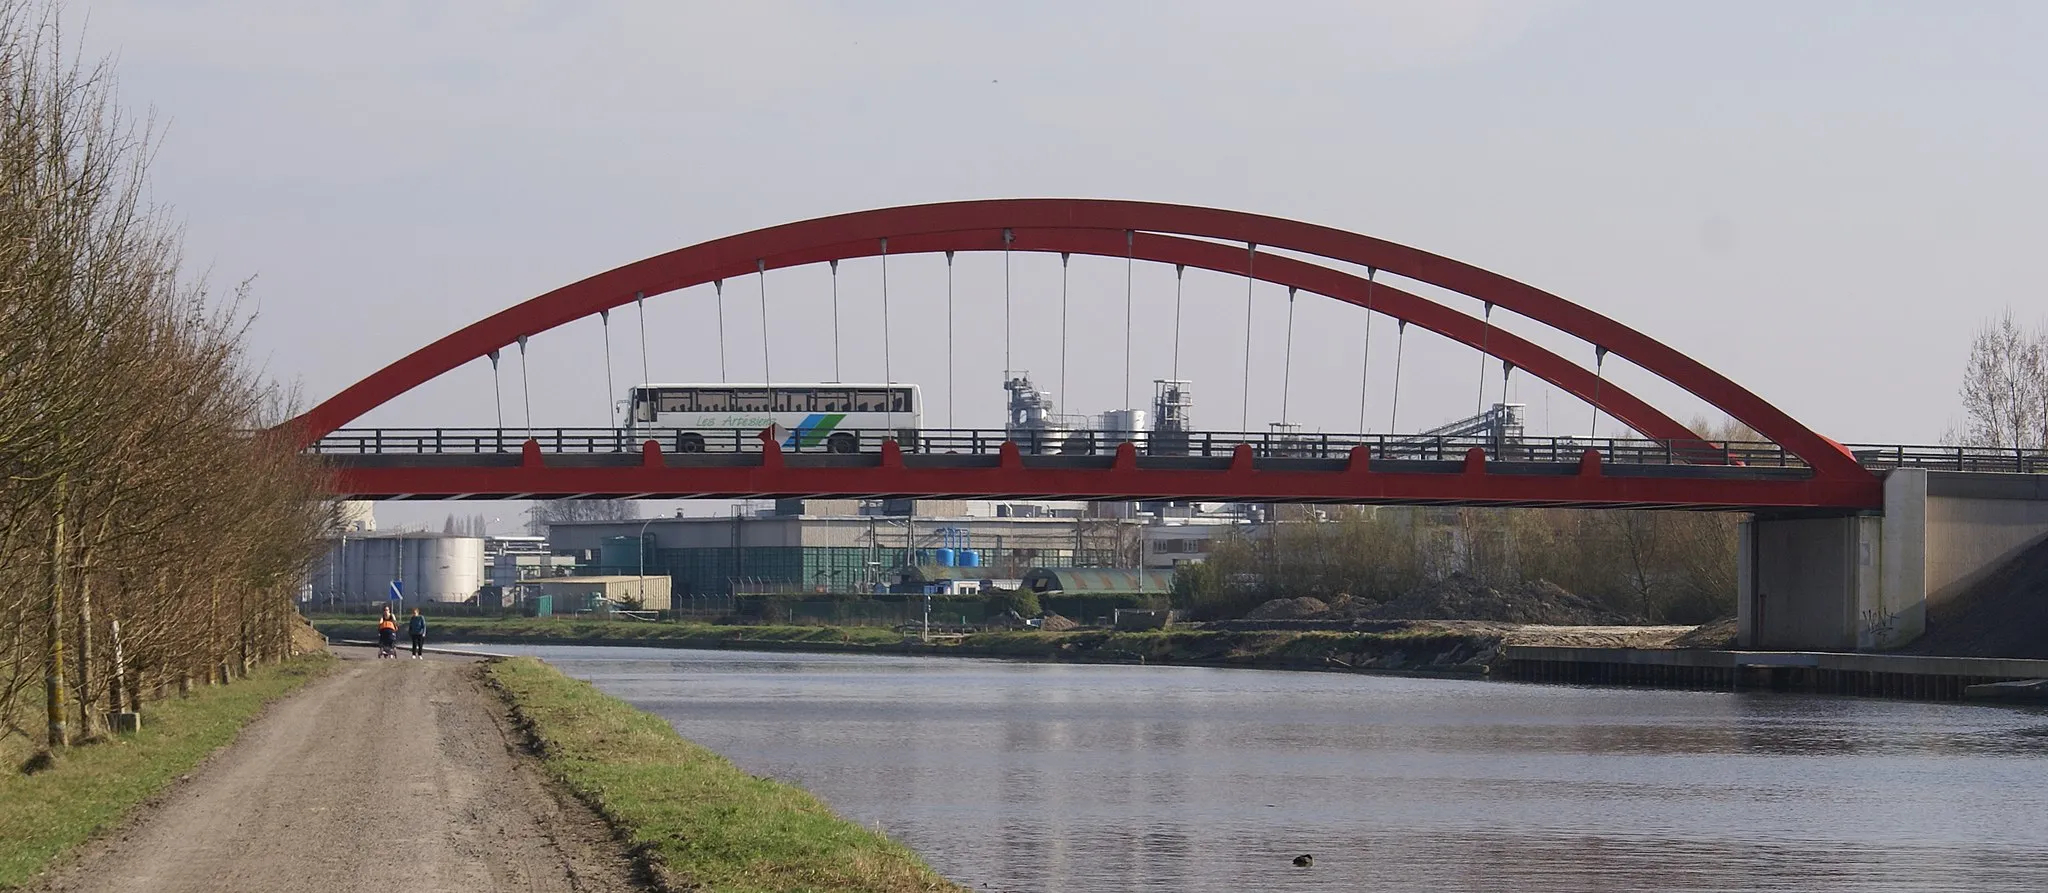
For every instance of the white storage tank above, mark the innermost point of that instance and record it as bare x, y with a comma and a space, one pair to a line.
1119, 425
432, 567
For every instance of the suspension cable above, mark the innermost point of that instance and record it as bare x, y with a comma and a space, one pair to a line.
1244, 409
718, 286
1287, 359
1599, 378
888, 371
1485, 343
525, 388
1063, 395
1365, 364
1400, 345
1179, 271
1008, 237
835, 321
497, 393
1130, 260
640, 299
612, 408
767, 368
949, 339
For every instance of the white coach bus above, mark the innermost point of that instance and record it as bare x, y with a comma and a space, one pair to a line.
834, 418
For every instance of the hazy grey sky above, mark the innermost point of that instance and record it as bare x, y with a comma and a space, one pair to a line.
1821, 200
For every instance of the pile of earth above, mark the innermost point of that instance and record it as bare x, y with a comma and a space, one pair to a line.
1054, 623
1719, 634
1458, 597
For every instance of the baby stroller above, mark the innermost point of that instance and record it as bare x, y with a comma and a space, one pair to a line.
387, 642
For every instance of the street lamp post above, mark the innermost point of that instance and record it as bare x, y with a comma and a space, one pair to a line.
641, 546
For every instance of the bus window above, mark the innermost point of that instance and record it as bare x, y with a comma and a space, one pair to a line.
831, 400
870, 401
713, 400
902, 400
749, 400
792, 401
643, 405
677, 400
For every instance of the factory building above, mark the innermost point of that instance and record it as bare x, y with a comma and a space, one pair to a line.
855, 546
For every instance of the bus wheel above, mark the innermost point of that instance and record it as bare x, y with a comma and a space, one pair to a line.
690, 443
842, 443
1078, 445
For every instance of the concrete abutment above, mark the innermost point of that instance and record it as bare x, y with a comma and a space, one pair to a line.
1874, 581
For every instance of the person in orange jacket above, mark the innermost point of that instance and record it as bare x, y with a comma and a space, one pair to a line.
387, 636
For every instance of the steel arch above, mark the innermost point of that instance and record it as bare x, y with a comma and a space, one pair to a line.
739, 254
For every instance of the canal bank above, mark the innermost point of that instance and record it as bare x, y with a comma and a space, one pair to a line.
1446, 648
1590, 655
1914, 677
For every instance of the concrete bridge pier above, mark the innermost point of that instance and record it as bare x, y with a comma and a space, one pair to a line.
1871, 582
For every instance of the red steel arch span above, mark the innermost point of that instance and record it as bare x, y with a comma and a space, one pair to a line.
1165, 233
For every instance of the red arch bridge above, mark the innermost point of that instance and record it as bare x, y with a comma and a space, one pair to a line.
1664, 465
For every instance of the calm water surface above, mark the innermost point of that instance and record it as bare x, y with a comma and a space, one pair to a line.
1045, 777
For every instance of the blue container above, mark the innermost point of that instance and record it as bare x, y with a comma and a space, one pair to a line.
970, 558
943, 556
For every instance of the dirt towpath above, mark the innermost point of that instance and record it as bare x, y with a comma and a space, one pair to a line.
391, 775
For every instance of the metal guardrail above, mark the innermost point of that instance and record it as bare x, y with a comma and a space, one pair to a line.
988, 441
1630, 451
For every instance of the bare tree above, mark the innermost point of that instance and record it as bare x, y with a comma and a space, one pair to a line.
2005, 386
544, 513
133, 497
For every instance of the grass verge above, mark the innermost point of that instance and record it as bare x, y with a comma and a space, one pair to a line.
92, 787
567, 630
698, 821
1420, 648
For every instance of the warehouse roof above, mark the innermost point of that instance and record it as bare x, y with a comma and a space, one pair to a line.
1079, 580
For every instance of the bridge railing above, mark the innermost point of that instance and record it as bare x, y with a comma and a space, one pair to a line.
1951, 458
1213, 444
988, 441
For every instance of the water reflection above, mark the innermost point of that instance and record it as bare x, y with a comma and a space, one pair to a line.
1032, 777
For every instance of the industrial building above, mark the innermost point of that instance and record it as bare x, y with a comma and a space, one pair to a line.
575, 594
851, 546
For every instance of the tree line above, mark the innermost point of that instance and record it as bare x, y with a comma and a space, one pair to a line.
2004, 397
1664, 567
152, 533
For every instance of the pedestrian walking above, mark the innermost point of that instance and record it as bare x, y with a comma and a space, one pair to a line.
417, 627
387, 636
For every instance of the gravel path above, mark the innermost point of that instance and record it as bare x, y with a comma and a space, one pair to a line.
394, 775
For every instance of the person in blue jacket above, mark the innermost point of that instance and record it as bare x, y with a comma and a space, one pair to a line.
417, 627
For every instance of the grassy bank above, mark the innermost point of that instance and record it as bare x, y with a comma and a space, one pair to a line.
576, 631
1419, 647
698, 821
92, 786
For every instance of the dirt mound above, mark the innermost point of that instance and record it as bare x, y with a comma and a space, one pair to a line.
1719, 635
1289, 609
1459, 597
1054, 623
2003, 615
306, 639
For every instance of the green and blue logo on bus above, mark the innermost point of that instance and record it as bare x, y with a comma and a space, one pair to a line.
812, 430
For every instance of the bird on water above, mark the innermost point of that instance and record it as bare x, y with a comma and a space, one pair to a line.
1304, 860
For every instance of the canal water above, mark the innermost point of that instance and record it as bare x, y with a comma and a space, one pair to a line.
1061, 778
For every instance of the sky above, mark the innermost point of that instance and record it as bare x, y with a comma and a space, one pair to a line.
1821, 200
